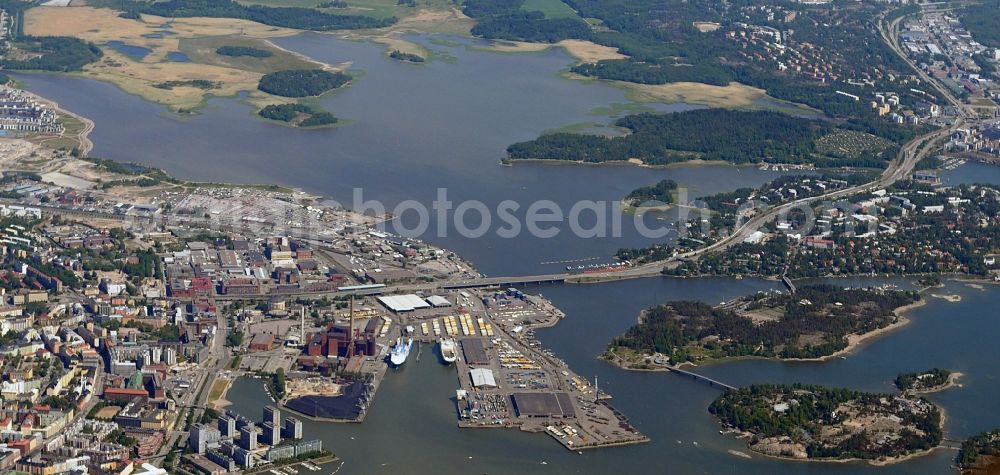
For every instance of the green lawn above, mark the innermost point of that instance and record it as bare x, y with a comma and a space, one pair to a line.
551, 8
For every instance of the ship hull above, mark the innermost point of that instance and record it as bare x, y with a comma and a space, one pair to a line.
448, 353
400, 352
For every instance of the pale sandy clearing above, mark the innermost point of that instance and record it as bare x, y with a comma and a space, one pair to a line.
706, 26
394, 43
589, 52
733, 95
451, 21
67, 181
583, 51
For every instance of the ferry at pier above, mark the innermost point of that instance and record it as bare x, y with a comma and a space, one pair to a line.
448, 351
400, 351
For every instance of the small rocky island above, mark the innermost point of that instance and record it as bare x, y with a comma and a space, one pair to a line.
929, 381
818, 423
818, 321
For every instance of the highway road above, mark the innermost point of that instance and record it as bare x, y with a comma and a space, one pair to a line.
890, 35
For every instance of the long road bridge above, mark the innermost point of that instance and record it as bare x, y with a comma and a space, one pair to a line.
705, 379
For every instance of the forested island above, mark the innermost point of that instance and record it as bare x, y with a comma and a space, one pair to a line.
243, 51
817, 321
706, 134
662, 192
302, 82
980, 454
928, 381
818, 423
409, 57
297, 115
286, 17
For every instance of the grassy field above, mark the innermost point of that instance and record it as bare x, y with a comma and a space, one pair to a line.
551, 8
68, 140
196, 37
218, 388
372, 8
202, 50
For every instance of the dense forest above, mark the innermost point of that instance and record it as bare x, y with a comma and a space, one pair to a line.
58, 53
652, 73
979, 445
506, 20
662, 192
286, 17
710, 134
243, 51
813, 323
983, 21
301, 82
305, 116
815, 419
923, 380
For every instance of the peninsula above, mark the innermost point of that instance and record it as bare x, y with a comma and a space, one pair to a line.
929, 381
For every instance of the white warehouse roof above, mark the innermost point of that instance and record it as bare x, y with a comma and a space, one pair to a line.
483, 377
403, 303
438, 301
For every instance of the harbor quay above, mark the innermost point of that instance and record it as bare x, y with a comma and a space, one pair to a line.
504, 377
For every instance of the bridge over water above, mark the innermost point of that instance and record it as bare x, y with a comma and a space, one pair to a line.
705, 379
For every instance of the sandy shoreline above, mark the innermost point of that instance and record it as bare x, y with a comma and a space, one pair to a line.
324, 66
875, 462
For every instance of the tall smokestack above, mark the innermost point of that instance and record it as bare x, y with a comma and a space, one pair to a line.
350, 347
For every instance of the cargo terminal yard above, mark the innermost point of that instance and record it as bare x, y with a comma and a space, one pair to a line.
505, 378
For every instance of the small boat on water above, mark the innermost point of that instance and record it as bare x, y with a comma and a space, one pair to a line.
448, 350
400, 351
